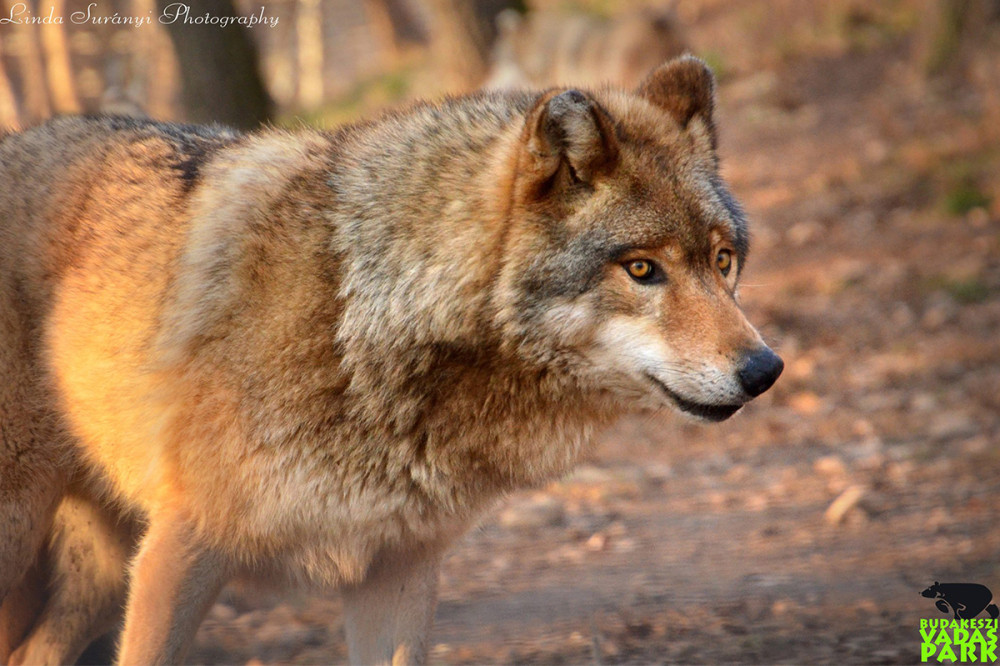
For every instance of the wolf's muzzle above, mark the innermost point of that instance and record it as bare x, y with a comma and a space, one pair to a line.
760, 369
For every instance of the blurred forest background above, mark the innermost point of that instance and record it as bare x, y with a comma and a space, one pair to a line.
326, 60
864, 140
329, 60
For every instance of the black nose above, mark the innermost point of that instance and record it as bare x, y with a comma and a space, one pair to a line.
761, 368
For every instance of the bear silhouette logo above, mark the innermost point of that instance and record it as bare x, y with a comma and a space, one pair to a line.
965, 600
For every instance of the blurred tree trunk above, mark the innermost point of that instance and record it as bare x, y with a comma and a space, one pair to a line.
457, 44
380, 23
956, 43
950, 32
309, 30
8, 103
220, 78
131, 70
32, 71
279, 61
59, 74
395, 29
161, 75
463, 36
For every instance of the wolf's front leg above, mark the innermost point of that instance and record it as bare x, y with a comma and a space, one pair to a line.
388, 615
175, 579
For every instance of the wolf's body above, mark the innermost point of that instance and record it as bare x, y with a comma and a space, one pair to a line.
318, 356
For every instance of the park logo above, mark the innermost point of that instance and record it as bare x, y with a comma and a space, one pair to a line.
965, 638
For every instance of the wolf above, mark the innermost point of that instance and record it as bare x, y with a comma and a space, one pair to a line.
316, 357
550, 48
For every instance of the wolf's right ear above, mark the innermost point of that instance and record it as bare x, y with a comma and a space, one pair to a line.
569, 129
685, 88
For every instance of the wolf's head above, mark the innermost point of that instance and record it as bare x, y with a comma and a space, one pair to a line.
626, 248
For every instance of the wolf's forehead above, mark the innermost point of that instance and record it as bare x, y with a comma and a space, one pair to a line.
667, 206
668, 188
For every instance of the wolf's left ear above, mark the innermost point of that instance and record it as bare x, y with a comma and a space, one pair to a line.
570, 129
685, 88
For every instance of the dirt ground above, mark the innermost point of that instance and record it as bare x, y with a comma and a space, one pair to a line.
804, 529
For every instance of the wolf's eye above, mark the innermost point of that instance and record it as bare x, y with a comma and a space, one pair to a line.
641, 270
724, 260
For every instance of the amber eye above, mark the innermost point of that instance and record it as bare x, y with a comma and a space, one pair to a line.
640, 269
724, 260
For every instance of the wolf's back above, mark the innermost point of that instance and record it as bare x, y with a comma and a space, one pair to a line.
81, 185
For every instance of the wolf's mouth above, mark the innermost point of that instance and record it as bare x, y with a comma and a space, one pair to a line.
707, 412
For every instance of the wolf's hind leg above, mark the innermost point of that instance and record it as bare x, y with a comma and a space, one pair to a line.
31, 483
87, 583
32, 456
388, 615
21, 608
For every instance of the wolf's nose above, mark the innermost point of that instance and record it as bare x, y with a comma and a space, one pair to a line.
760, 369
